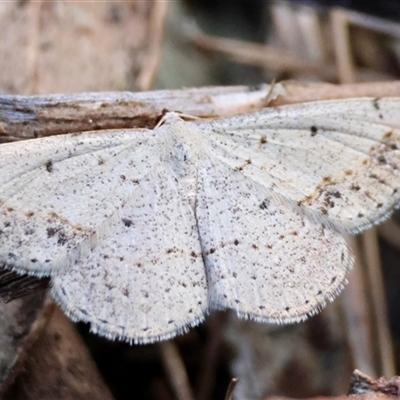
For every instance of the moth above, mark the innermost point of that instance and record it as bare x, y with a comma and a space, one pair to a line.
144, 231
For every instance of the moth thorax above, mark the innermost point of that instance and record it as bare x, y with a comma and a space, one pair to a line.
186, 153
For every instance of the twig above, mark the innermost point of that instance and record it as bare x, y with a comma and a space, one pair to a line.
378, 302
175, 370
357, 316
155, 35
261, 56
231, 388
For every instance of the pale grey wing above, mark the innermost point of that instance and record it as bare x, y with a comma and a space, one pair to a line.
59, 195
145, 280
263, 260
336, 161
